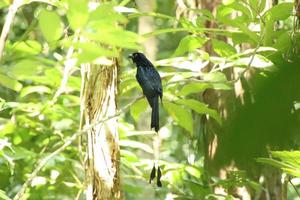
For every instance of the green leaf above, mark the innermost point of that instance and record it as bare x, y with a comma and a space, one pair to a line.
4, 196
239, 38
245, 29
180, 115
129, 155
200, 108
106, 13
24, 69
115, 37
293, 172
227, 2
34, 89
224, 15
137, 108
215, 77
254, 5
3, 4
289, 161
258, 61
292, 157
273, 162
74, 83
281, 11
223, 49
20, 153
52, 74
10, 83
50, 25
193, 171
193, 88
189, 43
28, 47
245, 16
135, 144
283, 42
91, 51
77, 13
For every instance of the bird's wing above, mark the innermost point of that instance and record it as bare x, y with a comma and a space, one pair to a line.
144, 79
155, 80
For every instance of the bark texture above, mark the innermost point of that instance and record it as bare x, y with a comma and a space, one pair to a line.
99, 102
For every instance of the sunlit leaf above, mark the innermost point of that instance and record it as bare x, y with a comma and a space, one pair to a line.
105, 12
3, 195
34, 89
200, 108
129, 155
50, 25
74, 83
181, 116
135, 144
276, 12
245, 29
222, 48
193, 171
112, 37
90, 52
24, 69
28, 47
77, 13
191, 88
10, 83
21, 153
189, 43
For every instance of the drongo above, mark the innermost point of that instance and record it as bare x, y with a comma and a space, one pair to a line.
150, 82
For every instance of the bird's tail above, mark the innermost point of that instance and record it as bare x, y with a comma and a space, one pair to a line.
155, 114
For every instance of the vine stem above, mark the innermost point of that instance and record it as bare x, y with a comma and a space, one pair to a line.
13, 8
295, 188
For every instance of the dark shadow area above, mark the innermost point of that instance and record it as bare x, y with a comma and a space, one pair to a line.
271, 120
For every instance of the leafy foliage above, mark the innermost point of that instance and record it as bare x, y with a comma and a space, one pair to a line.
40, 85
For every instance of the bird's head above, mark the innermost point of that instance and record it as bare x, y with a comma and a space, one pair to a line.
137, 57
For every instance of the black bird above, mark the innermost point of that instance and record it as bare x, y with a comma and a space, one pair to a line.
150, 82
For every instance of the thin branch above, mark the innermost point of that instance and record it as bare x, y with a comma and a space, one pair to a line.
295, 188
194, 79
69, 141
13, 8
67, 69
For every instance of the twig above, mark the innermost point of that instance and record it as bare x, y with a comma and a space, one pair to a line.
194, 79
69, 141
13, 8
67, 69
295, 188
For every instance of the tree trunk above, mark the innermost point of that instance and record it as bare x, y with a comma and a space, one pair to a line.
99, 102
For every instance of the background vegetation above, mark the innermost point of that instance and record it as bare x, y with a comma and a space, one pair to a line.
246, 62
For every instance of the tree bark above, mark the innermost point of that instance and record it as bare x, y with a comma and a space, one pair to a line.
98, 102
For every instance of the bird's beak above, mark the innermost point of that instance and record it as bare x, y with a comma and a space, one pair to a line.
130, 56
